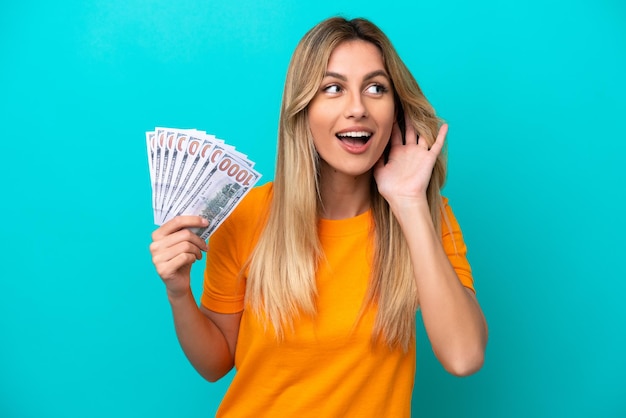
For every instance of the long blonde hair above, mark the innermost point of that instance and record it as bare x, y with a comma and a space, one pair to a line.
281, 277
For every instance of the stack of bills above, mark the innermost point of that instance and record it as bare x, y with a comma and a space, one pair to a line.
194, 173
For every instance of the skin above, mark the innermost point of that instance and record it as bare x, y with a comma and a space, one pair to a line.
352, 96
355, 95
452, 317
208, 338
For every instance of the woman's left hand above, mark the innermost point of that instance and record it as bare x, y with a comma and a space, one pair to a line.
405, 176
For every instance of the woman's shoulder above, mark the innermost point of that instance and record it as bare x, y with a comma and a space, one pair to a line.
262, 192
244, 224
257, 199
253, 206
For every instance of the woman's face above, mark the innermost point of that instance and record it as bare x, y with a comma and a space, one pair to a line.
352, 114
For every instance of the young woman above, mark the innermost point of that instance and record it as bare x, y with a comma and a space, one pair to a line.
313, 283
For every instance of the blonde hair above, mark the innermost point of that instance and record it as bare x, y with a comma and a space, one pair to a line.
281, 277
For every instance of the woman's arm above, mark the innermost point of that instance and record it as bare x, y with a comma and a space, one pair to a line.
452, 316
207, 338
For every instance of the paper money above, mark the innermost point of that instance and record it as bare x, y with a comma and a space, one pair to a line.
195, 173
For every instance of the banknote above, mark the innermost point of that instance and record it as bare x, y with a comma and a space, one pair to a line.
151, 146
173, 147
195, 173
218, 194
169, 142
159, 159
205, 160
195, 150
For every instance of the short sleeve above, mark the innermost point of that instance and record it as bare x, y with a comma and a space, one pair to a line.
454, 246
230, 247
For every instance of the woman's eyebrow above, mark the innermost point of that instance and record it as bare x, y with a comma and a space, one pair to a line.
376, 74
336, 75
367, 76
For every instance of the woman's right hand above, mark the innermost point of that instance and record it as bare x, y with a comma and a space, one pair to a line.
174, 249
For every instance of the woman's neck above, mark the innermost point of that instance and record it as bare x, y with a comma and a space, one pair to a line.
344, 196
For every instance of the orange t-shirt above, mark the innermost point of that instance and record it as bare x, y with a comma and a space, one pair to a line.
327, 367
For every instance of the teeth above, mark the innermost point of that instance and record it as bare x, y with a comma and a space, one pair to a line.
355, 134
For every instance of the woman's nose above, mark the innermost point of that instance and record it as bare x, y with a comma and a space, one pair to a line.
355, 107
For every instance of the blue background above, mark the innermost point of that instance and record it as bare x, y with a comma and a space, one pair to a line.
534, 93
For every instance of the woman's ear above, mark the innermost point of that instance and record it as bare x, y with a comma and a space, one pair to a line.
386, 151
401, 121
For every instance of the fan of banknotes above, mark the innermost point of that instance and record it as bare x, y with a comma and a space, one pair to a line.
195, 173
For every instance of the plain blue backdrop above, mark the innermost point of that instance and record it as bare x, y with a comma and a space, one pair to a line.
534, 94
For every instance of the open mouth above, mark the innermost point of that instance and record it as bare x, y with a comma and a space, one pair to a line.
354, 138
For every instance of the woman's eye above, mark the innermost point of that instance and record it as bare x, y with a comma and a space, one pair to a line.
376, 89
332, 89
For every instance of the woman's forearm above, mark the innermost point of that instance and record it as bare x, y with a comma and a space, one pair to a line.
452, 317
200, 338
